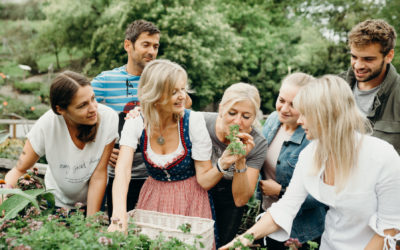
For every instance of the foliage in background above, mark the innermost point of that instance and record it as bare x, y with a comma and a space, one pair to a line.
11, 148
219, 42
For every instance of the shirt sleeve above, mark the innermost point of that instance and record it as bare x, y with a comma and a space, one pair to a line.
36, 135
201, 141
131, 132
112, 130
388, 190
256, 156
285, 210
97, 84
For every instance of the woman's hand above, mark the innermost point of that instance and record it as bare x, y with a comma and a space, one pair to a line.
248, 142
117, 225
227, 159
270, 187
133, 113
240, 241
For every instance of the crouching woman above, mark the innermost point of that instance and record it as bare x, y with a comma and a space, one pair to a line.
76, 136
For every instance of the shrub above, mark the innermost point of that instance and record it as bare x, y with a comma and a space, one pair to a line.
27, 87
11, 148
29, 59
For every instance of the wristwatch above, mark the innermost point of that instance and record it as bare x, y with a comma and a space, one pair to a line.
241, 170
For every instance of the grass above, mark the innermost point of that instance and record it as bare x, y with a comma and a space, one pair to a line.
46, 59
10, 68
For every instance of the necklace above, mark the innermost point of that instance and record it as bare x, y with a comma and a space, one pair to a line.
161, 140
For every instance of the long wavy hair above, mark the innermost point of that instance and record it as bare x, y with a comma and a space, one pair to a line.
333, 119
158, 77
62, 91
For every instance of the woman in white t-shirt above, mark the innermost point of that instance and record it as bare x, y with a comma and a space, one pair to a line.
76, 137
355, 174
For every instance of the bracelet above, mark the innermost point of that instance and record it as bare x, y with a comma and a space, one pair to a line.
241, 170
221, 170
283, 190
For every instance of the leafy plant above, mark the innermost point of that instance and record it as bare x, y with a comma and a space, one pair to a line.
11, 148
185, 227
74, 231
312, 245
27, 87
235, 146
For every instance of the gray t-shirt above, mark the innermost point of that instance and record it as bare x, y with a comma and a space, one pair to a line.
365, 98
255, 159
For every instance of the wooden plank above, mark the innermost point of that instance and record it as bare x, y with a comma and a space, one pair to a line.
11, 121
9, 164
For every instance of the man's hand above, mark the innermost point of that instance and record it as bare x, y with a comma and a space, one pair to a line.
113, 157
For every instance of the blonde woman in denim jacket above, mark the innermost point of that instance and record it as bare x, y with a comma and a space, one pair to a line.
286, 139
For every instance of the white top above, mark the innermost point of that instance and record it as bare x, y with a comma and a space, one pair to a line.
271, 159
70, 168
368, 204
201, 142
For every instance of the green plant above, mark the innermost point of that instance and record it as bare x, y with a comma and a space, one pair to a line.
73, 231
27, 87
312, 245
235, 146
11, 148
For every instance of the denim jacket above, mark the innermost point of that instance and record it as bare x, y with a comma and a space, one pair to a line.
309, 222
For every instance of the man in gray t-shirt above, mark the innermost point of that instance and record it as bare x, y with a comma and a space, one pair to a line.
374, 80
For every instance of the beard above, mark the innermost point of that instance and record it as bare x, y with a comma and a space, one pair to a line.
374, 74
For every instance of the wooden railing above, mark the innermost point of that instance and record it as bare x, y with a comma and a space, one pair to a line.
14, 122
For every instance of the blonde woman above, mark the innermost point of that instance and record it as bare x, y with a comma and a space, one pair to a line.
238, 175
355, 174
176, 149
286, 139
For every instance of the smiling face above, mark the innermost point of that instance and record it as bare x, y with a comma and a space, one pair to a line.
284, 105
240, 113
143, 51
175, 104
369, 64
83, 108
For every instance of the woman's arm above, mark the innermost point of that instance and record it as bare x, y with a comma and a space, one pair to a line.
244, 184
98, 182
244, 178
377, 241
26, 160
120, 188
265, 226
206, 175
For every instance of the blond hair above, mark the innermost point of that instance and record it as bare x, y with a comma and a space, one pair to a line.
333, 118
239, 92
297, 79
158, 77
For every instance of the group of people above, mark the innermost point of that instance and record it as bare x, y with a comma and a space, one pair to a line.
326, 161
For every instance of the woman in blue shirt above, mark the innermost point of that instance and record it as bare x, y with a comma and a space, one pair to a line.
285, 140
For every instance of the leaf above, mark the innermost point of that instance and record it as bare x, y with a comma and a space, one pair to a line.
13, 205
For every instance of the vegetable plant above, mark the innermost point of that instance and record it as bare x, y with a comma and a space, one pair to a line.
235, 146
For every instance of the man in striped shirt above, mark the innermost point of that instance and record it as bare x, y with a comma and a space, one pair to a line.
117, 89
